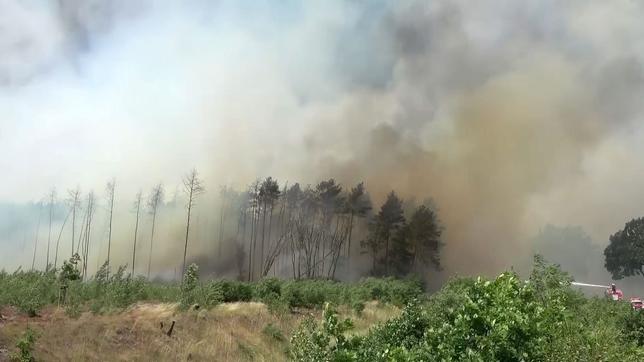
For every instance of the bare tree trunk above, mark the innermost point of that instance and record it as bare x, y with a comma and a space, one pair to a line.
110, 194
154, 217
185, 248
88, 232
192, 187
51, 213
350, 233
256, 213
75, 202
261, 255
33, 261
136, 229
222, 216
60, 233
81, 234
154, 201
250, 249
387, 256
242, 239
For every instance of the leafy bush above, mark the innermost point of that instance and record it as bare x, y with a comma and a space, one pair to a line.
633, 325
25, 347
504, 319
273, 332
235, 291
107, 292
327, 342
211, 294
29, 291
189, 286
267, 288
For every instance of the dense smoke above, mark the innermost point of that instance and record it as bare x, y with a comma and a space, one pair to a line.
508, 115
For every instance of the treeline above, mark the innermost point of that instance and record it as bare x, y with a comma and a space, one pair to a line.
310, 231
268, 229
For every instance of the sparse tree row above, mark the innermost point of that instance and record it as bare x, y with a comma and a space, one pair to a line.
291, 231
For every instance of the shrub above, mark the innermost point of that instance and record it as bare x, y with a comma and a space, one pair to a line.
273, 332
236, 291
189, 285
211, 294
504, 319
358, 307
25, 347
312, 342
268, 288
633, 325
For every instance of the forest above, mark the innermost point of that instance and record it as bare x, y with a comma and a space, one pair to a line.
268, 229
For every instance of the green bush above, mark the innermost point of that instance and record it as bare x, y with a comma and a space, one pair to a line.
633, 324
267, 288
235, 291
189, 286
325, 342
25, 347
105, 291
29, 291
504, 319
273, 332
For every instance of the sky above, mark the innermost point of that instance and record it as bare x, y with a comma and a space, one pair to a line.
508, 115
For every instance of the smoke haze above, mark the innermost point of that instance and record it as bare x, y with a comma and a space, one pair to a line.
509, 115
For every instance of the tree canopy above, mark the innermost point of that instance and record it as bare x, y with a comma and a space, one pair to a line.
625, 252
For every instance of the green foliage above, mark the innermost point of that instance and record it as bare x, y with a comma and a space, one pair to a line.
273, 332
246, 350
383, 233
358, 307
312, 342
235, 291
69, 271
25, 347
211, 294
189, 290
424, 237
389, 290
105, 292
504, 319
625, 252
267, 288
633, 325
28, 291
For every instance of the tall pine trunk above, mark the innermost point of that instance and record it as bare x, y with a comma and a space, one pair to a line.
136, 231
185, 248
154, 219
33, 261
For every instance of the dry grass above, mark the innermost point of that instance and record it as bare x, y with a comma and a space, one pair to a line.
229, 332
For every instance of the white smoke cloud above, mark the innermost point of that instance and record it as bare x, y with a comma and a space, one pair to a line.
510, 115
